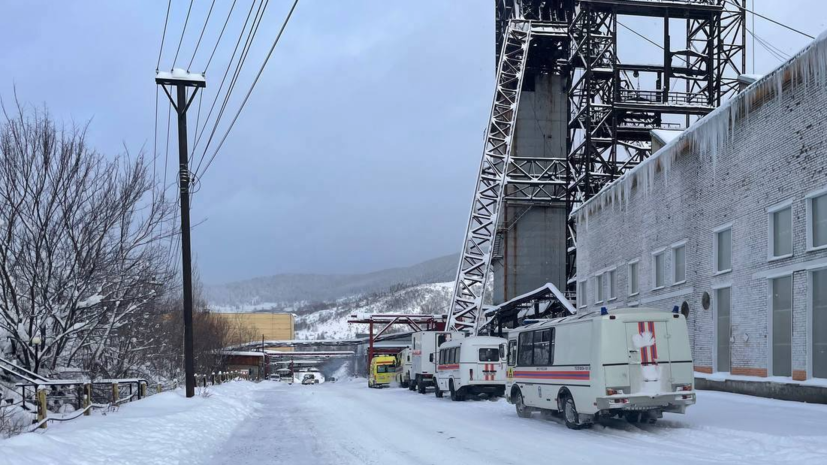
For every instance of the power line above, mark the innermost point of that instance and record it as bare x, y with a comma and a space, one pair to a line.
186, 21
223, 79
219, 36
775, 22
773, 50
163, 37
201, 36
261, 70
234, 80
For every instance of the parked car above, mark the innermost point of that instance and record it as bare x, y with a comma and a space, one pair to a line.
309, 378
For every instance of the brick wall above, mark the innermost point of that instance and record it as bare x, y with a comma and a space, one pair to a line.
776, 153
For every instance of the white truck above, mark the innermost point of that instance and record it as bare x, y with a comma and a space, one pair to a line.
403, 367
634, 363
471, 366
424, 345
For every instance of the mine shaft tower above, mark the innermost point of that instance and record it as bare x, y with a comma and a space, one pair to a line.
562, 57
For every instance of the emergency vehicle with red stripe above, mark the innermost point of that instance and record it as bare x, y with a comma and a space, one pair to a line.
471, 366
633, 363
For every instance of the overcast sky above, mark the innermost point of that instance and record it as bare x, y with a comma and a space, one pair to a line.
360, 145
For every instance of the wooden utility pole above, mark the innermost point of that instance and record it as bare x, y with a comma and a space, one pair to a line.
181, 79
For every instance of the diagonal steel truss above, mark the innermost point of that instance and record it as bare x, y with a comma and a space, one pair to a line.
478, 244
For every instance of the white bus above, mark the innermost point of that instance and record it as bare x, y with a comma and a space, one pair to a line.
471, 366
403, 367
425, 344
634, 363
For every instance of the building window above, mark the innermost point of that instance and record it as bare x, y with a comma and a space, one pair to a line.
818, 307
582, 295
781, 231
634, 278
817, 220
782, 326
659, 267
722, 249
612, 284
678, 264
598, 289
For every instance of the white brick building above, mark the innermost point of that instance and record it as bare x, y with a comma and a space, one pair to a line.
732, 214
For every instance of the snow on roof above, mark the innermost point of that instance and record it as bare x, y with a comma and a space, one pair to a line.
709, 134
243, 353
666, 135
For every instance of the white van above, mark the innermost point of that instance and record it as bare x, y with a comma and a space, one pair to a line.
471, 366
403, 367
634, 363
423, 350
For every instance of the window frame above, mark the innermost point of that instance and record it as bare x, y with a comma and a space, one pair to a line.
636, 263
771, 211
715, 233
598, 289
655, 254
584, 291
673, 249
612, 285
810, 231
770, 309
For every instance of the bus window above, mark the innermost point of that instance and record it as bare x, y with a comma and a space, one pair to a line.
512, 352
525, 356
541, 347
489, 355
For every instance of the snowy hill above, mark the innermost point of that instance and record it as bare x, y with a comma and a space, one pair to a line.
293, 292
331, 322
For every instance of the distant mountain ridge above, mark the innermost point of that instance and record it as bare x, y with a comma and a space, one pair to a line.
281, 292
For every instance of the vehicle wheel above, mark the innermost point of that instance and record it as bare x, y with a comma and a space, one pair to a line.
522, 410
420, 387
454, 394
633, 417
570, 413
412, 385
438, 391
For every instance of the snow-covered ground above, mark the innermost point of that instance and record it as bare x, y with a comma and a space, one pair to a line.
165, 429
347, 423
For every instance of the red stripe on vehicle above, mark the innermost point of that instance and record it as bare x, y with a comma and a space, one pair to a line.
644, 351
654, 342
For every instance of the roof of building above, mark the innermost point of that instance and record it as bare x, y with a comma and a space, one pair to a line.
710, 133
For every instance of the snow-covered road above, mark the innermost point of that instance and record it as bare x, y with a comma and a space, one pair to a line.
347, 423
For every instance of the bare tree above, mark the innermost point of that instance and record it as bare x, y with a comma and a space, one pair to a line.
82, 248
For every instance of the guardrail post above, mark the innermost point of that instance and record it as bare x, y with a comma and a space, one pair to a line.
160, 388
87, 398
42, 411
115, 393
142, 390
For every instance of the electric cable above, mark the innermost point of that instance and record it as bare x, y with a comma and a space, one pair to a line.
249, 92
201, 36
183, 32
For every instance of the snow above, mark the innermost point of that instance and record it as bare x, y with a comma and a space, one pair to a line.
180, 75
347, 423
819, 382
165, 428
331, 323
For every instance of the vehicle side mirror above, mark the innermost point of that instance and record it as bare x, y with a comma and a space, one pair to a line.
431, 358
